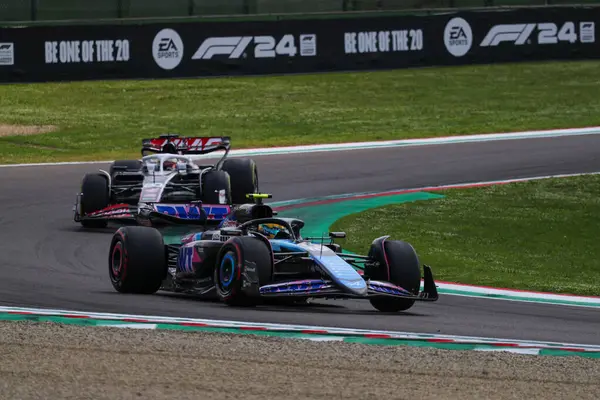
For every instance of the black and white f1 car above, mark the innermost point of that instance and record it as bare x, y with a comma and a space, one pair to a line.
167, 185
253, 256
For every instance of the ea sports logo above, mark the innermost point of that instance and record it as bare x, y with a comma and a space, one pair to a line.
167, 49
458, 37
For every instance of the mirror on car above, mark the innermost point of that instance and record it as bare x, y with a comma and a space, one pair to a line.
181, 167
337, 235
231, 232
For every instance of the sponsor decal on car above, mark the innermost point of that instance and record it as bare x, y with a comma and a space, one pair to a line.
192, 211
185, 259
193, 143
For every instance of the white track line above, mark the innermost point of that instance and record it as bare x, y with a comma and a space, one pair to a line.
368, 145
466, 185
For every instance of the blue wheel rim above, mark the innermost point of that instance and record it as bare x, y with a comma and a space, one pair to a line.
227, 270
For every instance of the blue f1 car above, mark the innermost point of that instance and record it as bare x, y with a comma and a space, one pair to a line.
253, 255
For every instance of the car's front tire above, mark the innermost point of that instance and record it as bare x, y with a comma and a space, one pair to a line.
95, 196
215, 183
398, 264
130, 165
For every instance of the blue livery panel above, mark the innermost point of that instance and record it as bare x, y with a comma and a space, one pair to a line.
340, 271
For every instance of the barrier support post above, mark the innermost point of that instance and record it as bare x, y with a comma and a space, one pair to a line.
33, 10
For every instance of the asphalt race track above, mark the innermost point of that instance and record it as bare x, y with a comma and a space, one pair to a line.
49, 261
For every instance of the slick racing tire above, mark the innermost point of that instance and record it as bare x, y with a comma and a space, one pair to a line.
242, 258
212, 183
404, 271
95, 196
244, 178
136, 261
132, 166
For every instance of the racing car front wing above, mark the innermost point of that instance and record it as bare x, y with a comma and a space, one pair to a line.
147, 214
327, 288
114, 212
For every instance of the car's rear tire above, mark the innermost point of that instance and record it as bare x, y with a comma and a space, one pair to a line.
95, 196
132, 165
136, 261
234, 259
213, 182
398, 264
243, 173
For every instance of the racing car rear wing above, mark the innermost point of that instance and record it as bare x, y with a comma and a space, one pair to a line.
173, 144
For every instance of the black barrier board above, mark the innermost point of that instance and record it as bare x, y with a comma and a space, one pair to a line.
59, 53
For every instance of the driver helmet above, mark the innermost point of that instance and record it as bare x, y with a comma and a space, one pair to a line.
169, 165
273, 231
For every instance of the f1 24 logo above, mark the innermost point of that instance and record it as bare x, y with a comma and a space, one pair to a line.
548, 33
264, 46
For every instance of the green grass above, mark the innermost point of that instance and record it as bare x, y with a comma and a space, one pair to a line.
107, 120
540, 235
